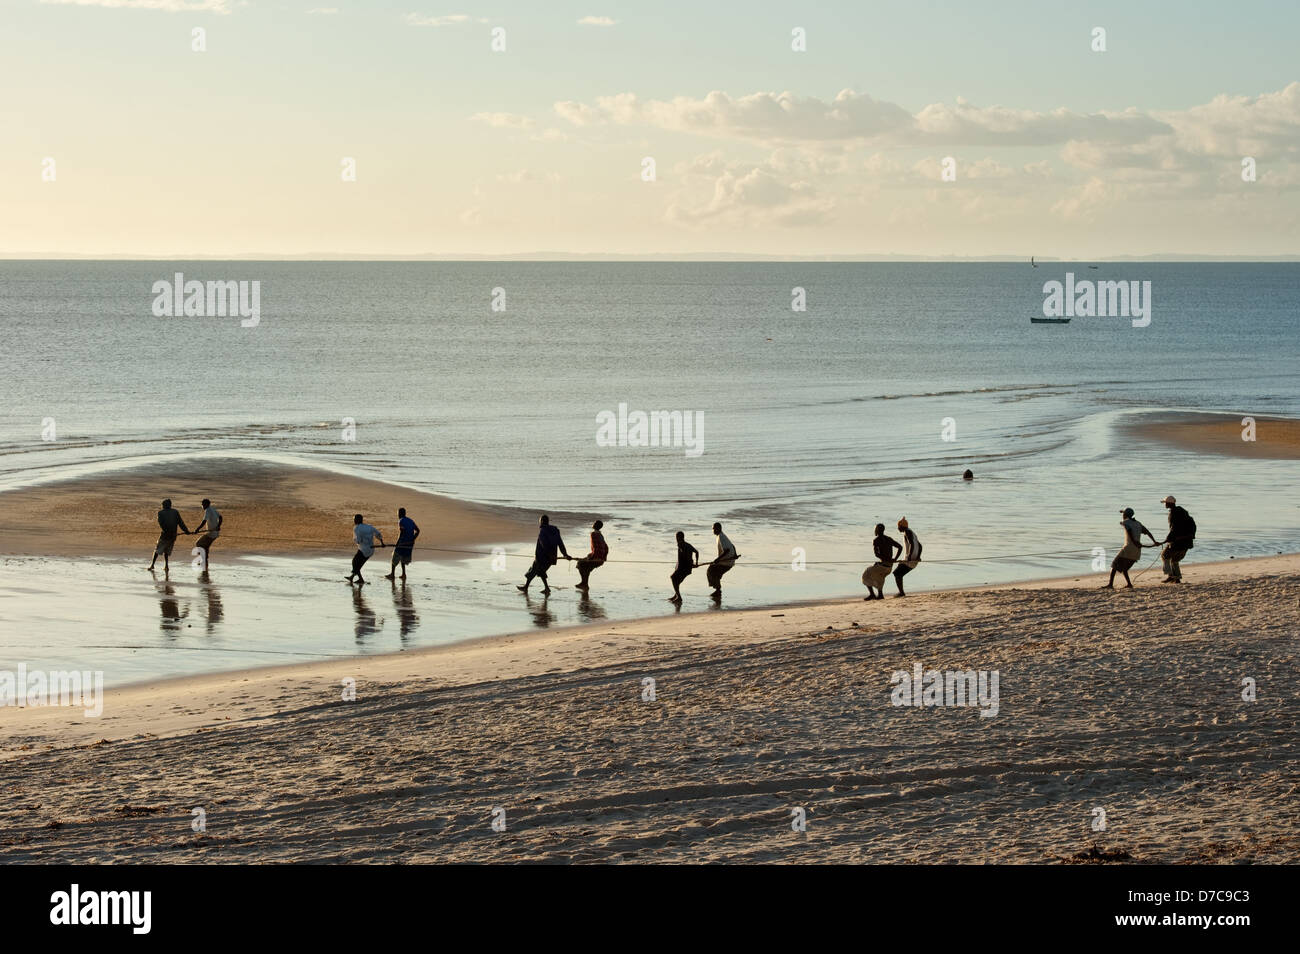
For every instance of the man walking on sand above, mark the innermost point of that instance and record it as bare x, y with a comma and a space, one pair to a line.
548, 542
365, 536
721, 563
1182, 534
404, 548
169, 519
1132, 549
598, 555
911, 557
212, 520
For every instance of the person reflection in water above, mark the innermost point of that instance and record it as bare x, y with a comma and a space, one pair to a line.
408, 620
367, 624
541, 613
216, 612
169, 608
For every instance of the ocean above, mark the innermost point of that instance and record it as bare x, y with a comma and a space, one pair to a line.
808, 427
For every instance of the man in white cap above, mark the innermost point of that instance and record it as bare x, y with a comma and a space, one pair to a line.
911, 556
1182, 534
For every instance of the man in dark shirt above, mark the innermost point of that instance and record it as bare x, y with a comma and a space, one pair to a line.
169, 519
688, 558
548, 541
1182, 531
873, 577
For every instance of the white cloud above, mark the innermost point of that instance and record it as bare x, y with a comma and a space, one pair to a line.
596, 21
504, 120
773, 193
763, 117
857, 117
168, 6
451, 19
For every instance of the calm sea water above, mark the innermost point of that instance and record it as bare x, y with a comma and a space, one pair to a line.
816, 424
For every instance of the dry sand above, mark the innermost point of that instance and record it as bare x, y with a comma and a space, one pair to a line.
267, 508
1127, 701
1275, 438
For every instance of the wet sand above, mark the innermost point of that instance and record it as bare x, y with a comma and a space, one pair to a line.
268, 508
1275, 438
1127, 701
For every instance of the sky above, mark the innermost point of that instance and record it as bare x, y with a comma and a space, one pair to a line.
118, 137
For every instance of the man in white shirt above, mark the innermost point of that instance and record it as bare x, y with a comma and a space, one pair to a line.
365, 536
723, 562
212, 520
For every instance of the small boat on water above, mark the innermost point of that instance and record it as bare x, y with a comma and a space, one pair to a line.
1050, 321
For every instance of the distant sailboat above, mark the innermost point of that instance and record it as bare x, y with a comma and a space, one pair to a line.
1032, 262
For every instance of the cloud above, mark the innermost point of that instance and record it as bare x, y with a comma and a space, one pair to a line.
857, 117
451, 19
761, 117
596, 21
324, 11
504, 120
168, 6
772, 193
523, 176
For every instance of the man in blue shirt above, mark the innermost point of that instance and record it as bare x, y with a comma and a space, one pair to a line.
407, 531
548, 541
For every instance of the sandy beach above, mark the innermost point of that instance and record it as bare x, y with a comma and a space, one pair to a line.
1275, 438
268, 508
1125, 701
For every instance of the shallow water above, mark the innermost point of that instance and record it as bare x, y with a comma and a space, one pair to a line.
817, 425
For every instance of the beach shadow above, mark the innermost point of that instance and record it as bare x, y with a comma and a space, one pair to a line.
408, 620
367, 623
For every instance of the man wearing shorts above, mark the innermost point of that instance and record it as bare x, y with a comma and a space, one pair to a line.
1132, 549
212, 520
404, 548
365, 536
170, 520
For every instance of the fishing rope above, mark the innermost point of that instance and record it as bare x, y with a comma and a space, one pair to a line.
529, 556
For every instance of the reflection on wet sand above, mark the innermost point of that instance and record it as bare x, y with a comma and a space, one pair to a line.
541, 613
168, 605
367, 624
216, 612
589, 609
408, 620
